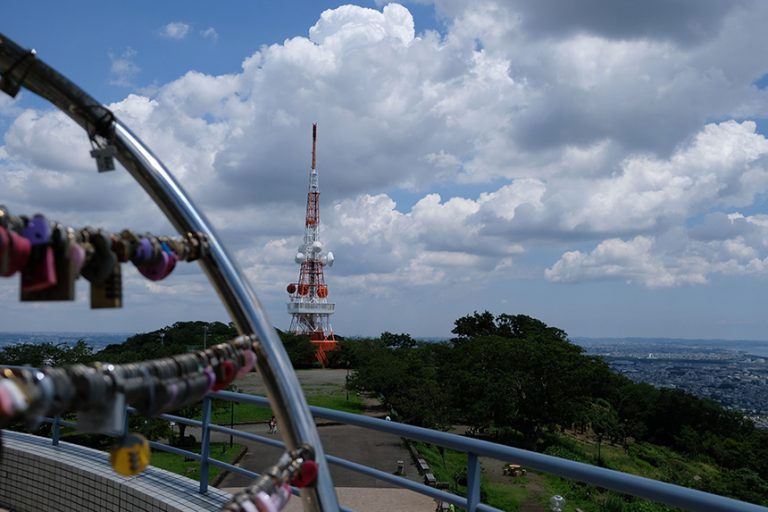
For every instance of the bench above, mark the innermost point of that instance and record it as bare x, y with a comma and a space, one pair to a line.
430, 480
423, 466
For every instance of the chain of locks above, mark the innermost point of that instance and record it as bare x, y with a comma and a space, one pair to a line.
100, 394
50, 257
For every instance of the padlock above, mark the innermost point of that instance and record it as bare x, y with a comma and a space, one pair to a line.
5, 251
227, 373
121, 247
40, 271
130, 455
78, 255
249, 358
18, 253
273, 502
162, 266
63, 392
306, 475
107, 418
37, 230
6, 406
144, 252
108, 293
102, 262
66, 271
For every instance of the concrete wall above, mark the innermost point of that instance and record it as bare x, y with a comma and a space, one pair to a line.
34, 476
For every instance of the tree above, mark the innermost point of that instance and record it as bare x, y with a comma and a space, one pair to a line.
300, 350
477, 324
397, 341
46, 354
505, 326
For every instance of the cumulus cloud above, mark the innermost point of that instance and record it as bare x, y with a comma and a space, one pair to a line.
210, 33
633, 261
537, 128
123, 68
175, 30
684, 21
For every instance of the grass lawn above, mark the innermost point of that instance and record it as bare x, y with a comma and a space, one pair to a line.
191, 469
449, 464
643, 459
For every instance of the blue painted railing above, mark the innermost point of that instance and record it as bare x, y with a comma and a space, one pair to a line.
661, 492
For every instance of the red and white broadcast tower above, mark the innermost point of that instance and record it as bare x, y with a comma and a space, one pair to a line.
308, 304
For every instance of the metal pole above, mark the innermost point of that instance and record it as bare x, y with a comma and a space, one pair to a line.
473, 481
205, 445
231, 421
56, 431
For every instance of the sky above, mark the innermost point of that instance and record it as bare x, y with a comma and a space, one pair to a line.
599, 165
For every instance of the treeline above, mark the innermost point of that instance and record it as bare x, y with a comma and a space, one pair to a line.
175, 339
170, 340
519, 381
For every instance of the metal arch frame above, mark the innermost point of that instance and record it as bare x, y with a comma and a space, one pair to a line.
20, 67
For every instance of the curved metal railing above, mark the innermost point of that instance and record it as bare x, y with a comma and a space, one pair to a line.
22, 68
641, 487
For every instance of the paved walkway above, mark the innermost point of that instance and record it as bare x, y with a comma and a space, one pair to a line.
355, 491
368, 447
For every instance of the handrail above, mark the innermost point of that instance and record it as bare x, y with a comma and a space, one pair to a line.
662, 492
646, 488
21, 67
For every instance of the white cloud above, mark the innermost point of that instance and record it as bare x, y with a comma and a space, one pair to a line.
533, 136
123, 69
210, 33
632, 261
673, 259
175, 30
8, 106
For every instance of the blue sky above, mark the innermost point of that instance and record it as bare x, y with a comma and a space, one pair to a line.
597, 167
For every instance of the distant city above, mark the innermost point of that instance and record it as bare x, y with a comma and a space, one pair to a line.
97, 340
732, 373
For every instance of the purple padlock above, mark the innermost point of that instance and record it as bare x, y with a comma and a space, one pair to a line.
160, 268
37, 230
144, 252
155, 270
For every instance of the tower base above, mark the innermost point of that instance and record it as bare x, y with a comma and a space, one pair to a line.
322, 347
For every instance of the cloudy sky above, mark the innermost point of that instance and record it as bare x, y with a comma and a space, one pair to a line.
601, 165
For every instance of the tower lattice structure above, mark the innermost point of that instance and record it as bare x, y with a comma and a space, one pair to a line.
308, 298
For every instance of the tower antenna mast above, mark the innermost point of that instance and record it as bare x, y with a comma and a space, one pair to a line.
308, 298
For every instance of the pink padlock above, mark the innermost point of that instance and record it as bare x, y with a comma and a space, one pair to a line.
17, 253
40, 272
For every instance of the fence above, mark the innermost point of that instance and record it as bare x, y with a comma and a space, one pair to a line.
670, 494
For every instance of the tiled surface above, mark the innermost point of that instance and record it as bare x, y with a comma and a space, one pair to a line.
35, 475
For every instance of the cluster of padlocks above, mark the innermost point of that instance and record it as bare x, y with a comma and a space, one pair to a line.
50, 257
271, 491
99, 394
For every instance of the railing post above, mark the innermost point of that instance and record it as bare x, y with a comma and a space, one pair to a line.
125, 422
473, 482
205, 438
56, 431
